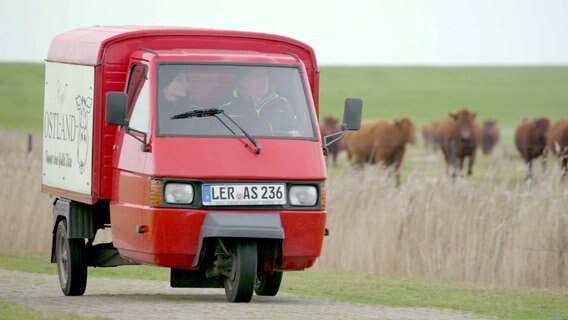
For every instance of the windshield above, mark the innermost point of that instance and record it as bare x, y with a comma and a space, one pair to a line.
265, 101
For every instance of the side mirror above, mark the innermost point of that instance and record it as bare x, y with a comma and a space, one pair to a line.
352, 114
116, 108
351, 121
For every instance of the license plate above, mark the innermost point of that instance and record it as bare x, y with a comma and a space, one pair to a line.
243, 194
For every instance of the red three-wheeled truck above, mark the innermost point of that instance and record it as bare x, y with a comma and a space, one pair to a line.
220, 201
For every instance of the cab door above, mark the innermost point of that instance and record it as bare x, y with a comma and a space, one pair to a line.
129, 193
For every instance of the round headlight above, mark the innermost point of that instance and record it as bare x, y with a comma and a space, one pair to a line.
303, 196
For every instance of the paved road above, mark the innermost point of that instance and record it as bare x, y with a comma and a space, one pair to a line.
141, 299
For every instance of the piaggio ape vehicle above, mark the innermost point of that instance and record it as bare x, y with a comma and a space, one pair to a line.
217, 201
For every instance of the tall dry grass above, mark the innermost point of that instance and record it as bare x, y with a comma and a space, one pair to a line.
487, 229
509, 233
25, 212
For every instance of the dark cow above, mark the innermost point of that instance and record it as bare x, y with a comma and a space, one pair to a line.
381, 141
557, 143
458, 133
429, 134
489, 136
331, 125
530, 139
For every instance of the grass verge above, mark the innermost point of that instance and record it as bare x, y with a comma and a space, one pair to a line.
16, 311
395, 291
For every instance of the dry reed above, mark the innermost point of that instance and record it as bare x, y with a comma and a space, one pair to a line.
25, 211
484, 230
499, 233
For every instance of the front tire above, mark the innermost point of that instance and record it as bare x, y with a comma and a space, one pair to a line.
71, 262
239, 283
268, 283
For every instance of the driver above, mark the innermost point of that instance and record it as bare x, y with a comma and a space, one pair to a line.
258, 108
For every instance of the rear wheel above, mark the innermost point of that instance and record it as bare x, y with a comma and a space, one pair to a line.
240, 281
71, 262
268, 283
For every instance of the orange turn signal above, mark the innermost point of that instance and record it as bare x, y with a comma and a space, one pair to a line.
323, 197
156, 197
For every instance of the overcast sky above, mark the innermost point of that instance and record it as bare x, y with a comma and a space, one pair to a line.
356, 32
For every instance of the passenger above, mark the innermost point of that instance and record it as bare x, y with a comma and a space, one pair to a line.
174, 97
175, 94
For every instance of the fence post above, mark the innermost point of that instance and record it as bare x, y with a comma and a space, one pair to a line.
453, 155
29, 142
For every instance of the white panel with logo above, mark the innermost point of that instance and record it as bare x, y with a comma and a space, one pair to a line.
68, 126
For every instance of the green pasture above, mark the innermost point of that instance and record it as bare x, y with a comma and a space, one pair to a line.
506, 94
21, 96
396, 291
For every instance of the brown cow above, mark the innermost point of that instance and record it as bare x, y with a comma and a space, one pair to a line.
331, 125
530, 138
381, 141
458, 133
557, 143
429, 133
489, 136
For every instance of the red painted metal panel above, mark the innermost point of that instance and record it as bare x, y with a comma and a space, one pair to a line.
130, 193
173, 236
80, 197
304, 232
84, 45
230, 159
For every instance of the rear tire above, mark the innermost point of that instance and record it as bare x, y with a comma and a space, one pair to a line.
71, 262
268, 283
239, 284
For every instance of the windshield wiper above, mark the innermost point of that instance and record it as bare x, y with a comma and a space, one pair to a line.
199, 113
213, 112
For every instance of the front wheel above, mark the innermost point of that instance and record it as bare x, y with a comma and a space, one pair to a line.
71, 262
240, 281
268, 283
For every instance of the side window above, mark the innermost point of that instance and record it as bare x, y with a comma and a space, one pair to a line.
139, 119
138, 98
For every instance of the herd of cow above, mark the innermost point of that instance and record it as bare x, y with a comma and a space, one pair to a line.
457, 135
